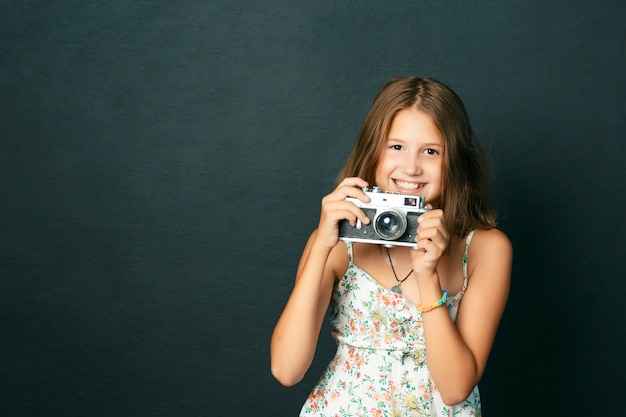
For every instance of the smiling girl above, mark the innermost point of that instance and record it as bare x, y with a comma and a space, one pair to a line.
420, 349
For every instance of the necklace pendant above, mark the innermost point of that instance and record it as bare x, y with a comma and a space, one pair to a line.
397, 289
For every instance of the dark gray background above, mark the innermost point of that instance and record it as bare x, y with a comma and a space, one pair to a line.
162, 163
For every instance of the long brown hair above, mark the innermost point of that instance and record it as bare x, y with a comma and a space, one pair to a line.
465, 199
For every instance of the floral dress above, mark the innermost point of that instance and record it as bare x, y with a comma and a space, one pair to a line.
380, 366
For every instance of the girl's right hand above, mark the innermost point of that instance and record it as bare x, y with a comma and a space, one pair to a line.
335, 208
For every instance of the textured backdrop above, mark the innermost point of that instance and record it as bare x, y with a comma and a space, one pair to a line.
162, 163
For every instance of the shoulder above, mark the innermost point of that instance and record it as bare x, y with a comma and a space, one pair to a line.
490, 241
490, 250
489, 263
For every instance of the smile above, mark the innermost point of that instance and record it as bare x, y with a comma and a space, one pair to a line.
409, 185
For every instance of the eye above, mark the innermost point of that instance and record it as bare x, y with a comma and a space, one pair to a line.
396, 147
431, 151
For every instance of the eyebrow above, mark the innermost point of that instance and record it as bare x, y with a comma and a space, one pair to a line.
424, 144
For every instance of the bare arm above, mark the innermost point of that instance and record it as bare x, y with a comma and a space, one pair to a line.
457, 352
295, 336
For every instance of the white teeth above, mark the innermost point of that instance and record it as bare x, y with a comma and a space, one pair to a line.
409, 185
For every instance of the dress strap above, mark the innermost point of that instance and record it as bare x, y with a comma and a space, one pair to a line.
468, 240
349, 246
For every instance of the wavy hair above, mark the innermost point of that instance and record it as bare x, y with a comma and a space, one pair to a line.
466, 198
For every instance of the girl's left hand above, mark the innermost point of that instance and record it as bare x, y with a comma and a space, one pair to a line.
432, 240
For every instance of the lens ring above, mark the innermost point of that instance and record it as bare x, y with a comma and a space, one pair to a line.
390, 224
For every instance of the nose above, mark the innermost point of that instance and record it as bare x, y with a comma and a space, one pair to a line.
411, 164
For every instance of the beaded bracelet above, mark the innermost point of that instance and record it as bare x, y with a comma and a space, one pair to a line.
438, 303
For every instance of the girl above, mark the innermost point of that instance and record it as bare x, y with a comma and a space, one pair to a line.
417, 350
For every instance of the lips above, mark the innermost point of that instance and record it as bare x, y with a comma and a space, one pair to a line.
409, 187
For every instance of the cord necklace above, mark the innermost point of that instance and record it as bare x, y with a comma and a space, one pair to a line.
398, 287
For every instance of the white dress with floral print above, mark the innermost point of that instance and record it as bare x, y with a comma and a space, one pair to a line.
380, 366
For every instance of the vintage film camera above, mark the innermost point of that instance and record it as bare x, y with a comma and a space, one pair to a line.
393, 219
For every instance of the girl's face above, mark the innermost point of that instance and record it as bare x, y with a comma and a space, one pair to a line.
412, 159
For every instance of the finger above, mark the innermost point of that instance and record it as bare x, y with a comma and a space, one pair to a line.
356, 193
345, 191
417, 251
436, 222
432, 230
432, 214
426, 241
436, 233
354, 182
345, 210
357, 213
340, 215
428, 247
350, 183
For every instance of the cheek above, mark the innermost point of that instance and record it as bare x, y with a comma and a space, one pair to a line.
438, 169
442, 180
383, 170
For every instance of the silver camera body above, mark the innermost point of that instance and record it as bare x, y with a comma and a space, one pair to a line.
393, 219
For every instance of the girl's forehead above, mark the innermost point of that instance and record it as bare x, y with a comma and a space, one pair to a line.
411, 124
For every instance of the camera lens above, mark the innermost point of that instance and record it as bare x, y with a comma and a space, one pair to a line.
390, 224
